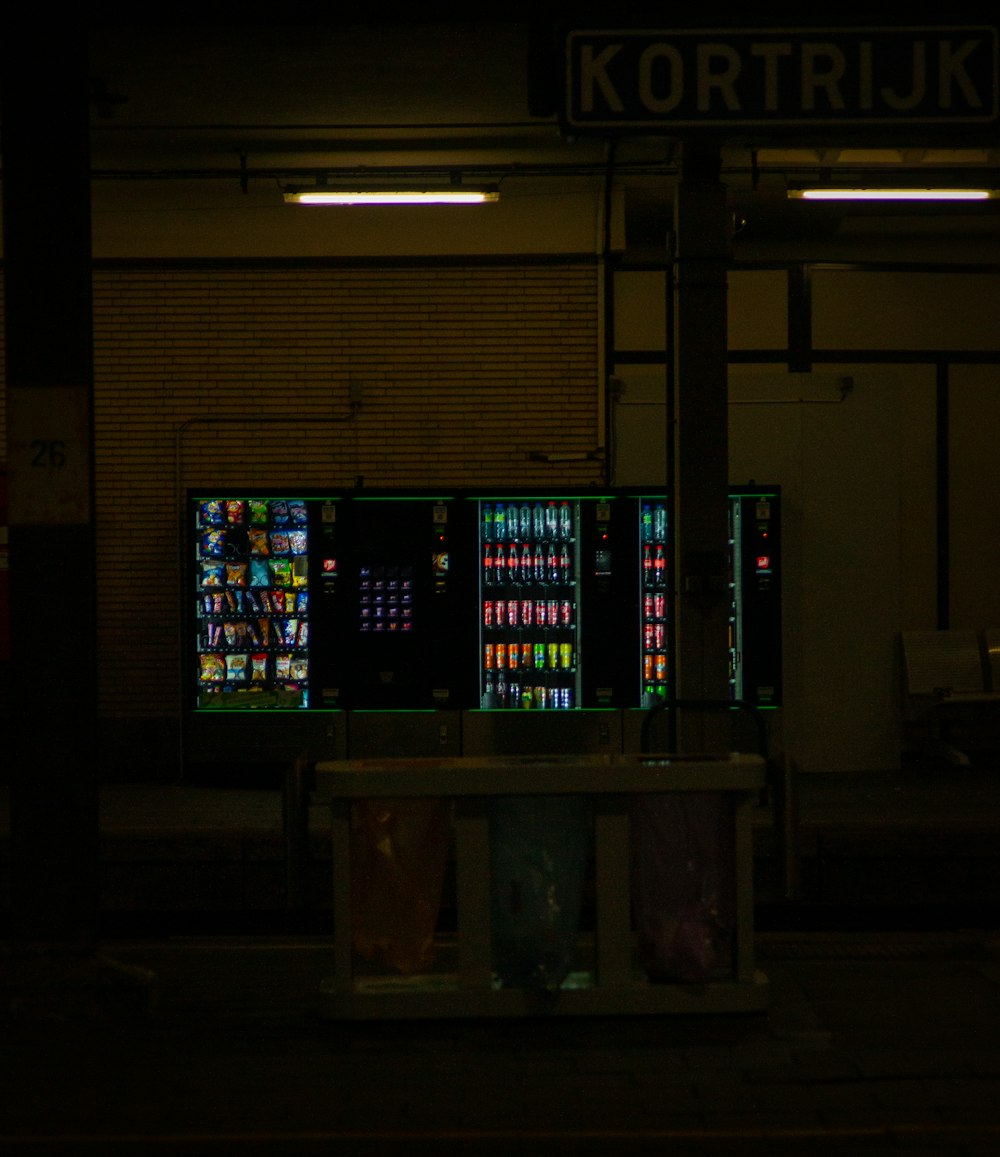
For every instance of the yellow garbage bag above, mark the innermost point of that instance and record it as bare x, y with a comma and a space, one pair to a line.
399, 849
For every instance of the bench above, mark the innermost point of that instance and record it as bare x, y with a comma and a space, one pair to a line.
951, 690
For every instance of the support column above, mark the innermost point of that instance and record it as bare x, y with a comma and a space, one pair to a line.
701, 457
49, 367
55, 969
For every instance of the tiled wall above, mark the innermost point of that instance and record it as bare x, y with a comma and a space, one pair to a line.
245, 376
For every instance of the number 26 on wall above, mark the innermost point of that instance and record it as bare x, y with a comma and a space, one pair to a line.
48, 455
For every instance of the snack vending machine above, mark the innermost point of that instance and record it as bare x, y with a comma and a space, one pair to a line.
253, 600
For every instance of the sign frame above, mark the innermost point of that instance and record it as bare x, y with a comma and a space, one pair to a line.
771, 65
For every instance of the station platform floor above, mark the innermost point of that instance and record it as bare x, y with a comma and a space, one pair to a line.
198, 1031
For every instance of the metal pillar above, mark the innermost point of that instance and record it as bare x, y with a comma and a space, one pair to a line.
701, 466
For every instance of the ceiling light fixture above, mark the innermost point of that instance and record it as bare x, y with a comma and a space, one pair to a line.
827, 193
448, 195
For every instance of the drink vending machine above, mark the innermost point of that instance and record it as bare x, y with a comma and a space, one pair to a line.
755, 595
573, 596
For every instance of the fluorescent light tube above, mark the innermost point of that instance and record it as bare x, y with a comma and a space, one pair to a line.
322, 196
888, 194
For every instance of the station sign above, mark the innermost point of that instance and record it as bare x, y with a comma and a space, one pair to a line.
653, 79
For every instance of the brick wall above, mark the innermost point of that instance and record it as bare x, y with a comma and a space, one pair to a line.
242, 377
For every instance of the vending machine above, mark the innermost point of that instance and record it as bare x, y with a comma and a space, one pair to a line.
253, 596
392, 631
755, 595
406, 601
572, 595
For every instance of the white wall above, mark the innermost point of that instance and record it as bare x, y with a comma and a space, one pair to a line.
837, 463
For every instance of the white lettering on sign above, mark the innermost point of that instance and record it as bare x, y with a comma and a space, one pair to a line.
782, 77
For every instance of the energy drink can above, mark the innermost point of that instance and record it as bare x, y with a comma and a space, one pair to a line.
552, 650
501, 652
527, 655
539, 655
565, 656
489, 656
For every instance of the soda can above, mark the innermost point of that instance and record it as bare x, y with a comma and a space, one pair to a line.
540, 616
512, 606
647, 668
488, 613
553, 655
514, 691
567, 698
648, 605
539, 655
501, 649
527, 655
660, 636
489, 656
553, 612
527, 612
647, 636
660, 606
566, 656
540, 697
566, 613
513, 656
661, 668
499, 612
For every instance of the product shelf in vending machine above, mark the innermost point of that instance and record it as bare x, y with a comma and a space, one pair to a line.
528, 583
655, 584
252, 609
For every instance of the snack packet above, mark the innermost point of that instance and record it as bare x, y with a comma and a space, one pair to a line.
212, 668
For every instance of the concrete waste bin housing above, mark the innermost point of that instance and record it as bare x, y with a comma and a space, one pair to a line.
524, 829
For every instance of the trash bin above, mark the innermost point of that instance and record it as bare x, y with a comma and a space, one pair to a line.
684, 885
538, 858
399, 850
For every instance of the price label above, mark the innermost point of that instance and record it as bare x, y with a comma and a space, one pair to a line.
49, 455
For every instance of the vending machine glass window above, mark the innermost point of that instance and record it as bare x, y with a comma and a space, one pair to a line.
529, 610
252, 602
654, 585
